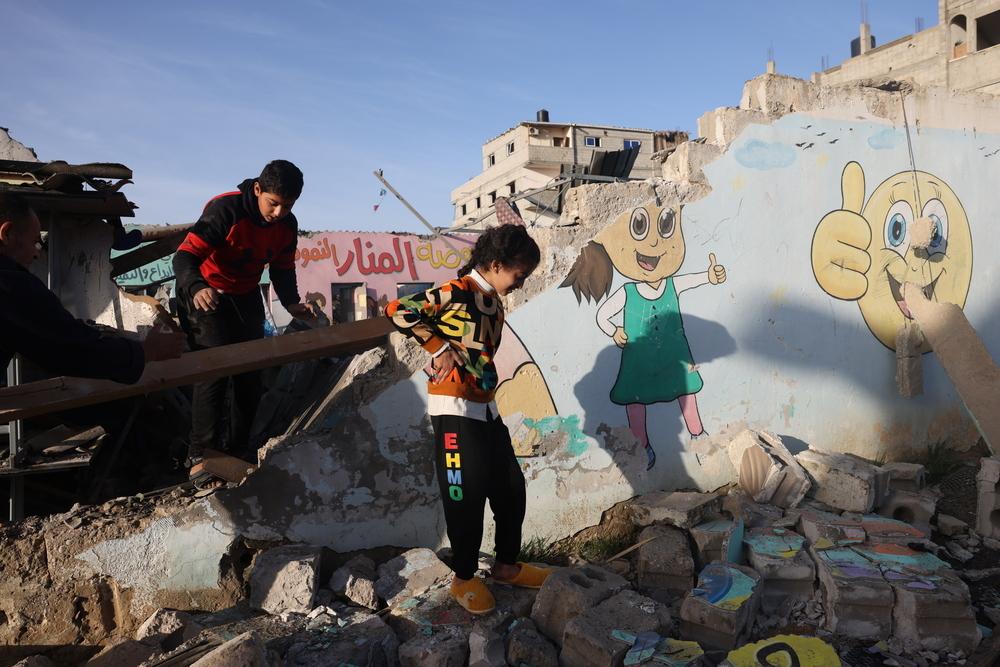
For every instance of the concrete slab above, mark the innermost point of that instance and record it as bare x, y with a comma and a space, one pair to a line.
568, 593
718, 612
241, 651
905, 476
934, 612
842, 481
665, 566
285, 579
682, 509
880, 530
909, 507
787, 570
755, 515
409, 573
766, 470
826, 529
856, 598
719, 539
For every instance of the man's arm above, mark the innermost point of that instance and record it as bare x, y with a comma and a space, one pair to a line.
37, 326
207, 234
282, 269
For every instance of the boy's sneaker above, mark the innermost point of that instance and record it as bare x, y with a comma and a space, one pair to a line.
473, 595
530, 576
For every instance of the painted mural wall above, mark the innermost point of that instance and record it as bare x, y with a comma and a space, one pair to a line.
772, 301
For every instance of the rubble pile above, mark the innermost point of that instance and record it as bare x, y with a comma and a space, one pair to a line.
713, 578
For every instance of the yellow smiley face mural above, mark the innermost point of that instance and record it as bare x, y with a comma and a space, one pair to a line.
863, 252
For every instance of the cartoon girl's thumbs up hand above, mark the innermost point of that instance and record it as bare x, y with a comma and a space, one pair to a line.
840, 257
716, 272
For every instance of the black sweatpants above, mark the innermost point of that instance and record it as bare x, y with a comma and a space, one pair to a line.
475, 462
237, 318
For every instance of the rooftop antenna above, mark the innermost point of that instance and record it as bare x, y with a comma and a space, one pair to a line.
824, 63
770, 60
864, 11
918, 23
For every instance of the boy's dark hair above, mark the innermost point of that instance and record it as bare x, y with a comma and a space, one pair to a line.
511, 245
282, 178
591, 274
14, 208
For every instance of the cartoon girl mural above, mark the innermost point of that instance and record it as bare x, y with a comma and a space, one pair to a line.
645, 245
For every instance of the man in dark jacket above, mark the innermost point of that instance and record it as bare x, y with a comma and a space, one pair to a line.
218, 269
34, 324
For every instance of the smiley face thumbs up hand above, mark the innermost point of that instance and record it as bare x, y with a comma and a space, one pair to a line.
716, 272
840, 257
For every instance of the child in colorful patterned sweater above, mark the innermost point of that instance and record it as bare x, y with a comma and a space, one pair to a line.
459, 323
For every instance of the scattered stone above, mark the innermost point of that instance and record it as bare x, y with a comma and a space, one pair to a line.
910, 507
486, 648
241, 651
720, 539
905, 476
284, 579
718, 612
766, 470
786, 570
355, 580
527, 646
858, 601
587, 640
842, 481
411, 572
448, 648
959, 552
988, 498
683, 509
788, 649
991, 543
128, 652
665, 567
367, 640
753, 514
570, 592
170, 627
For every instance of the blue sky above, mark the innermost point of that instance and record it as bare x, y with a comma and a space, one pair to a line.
194, 97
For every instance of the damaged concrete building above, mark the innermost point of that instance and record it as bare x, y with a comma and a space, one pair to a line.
810, 534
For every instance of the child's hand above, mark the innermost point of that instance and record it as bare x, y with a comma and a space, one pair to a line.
444, 364
620, 337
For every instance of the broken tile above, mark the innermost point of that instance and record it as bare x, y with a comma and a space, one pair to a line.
719, 539
649, 646
879, 530
718, 612
857, 600
587, 640
824, 528
665, 567
682, 509
780, 558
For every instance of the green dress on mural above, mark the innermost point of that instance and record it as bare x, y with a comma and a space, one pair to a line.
656, 365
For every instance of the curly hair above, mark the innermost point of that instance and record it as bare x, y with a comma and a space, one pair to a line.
282, 178
511, 245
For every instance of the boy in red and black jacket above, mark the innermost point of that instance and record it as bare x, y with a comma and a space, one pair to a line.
218, 269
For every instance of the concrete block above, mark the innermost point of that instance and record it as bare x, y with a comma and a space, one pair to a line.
825, 529
683, 509
778, 94
527, 646
988, 498
890, 556
720, 539
408, 573
842, 481
755, 515
241, 651
950, 526
856, 598
568, 593
723, 125
285, 579
687, 161
905, 476
587, 640
665, 567
882, 530
934, 612
170, 627
355, 580
909, 507
780, 558
785, 649
447, 648
766, 470
718, 612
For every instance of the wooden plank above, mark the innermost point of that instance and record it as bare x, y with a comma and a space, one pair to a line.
224, 466
964, 358
146, 254
56, 394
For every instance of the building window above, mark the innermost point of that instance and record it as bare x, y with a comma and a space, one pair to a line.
592, 142
510, 187
560, 142
343, 297
493, 197
465, 209
479, 204
491, 159
510, 148
988, 31
632, 143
